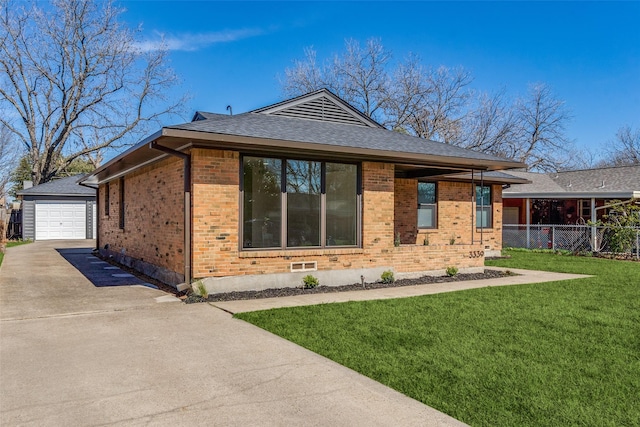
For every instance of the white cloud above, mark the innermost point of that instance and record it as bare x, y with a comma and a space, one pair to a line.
191, 42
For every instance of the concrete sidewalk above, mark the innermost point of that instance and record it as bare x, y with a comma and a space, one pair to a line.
524, 277
75, 354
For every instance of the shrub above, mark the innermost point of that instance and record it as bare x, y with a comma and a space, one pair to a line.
425, 242
387, 277
309, 282
452, 271
201, 289
396, 242
452, 239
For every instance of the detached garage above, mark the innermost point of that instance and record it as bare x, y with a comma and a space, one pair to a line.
60, 209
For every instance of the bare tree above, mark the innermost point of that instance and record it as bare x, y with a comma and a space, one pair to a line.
305, 76
9, 156
625, 148
441, 111
74, 82
490, 125
358, 76
541, 141
438, 104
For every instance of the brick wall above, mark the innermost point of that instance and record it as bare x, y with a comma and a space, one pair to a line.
216, 203
154, 222
455, 209
154, 218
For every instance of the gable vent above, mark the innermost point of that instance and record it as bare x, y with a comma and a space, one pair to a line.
320, 109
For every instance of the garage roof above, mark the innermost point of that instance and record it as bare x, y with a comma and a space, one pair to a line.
60, 187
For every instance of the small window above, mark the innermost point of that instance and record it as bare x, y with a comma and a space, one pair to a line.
106, 199
121, 219
483, 207
427, 206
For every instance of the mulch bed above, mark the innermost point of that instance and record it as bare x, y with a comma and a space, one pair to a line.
286, 292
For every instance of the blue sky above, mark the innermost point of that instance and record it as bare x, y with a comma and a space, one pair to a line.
231, 53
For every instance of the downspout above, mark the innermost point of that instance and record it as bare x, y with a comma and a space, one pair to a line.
187, 209
473, 197
482, 207
97, 220
97, 188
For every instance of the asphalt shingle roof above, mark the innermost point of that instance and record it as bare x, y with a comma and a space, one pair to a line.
59, 187
265, 126
603, 180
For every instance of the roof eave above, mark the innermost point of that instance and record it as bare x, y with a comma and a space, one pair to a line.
572, 195
55, 194
92, 179
184, 138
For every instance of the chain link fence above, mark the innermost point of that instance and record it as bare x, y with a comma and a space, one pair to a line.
574, 238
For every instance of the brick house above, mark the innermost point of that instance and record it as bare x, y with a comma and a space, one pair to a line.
304, 186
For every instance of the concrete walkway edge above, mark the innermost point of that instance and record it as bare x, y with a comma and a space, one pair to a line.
523, 277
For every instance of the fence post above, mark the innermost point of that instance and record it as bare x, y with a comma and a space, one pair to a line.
637, 244
553, 237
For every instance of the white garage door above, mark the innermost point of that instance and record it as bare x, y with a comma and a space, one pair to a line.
60, 220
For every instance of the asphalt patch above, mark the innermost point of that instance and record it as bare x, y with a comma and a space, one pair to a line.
100, 273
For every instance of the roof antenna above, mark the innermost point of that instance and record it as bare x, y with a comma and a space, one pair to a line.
230, 110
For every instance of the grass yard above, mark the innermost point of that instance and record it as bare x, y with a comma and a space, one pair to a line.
552, 354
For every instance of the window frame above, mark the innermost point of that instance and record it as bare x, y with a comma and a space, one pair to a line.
585, 203
284, 199
483, 207
434, 205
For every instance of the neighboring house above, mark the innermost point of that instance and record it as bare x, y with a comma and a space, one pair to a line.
59, 209
305, 186
573, 197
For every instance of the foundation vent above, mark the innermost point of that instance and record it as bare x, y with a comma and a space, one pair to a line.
304, 266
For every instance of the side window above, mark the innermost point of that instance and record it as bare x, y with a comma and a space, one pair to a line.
427, 206
107, 190
483, 207
122, 201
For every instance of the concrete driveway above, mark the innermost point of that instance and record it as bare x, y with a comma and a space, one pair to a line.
72, 353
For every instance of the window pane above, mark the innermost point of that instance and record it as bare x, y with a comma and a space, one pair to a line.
341, 200
261, 205
427, 192
303, 203
427, 216
483, 196
483, 217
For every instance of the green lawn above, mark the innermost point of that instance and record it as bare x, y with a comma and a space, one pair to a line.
13, 243
553, 354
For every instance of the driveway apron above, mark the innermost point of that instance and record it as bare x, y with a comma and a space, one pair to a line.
78, 350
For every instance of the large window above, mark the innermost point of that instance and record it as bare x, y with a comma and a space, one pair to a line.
341, 204
262, 205
427, 207
303, 181
298, 203
483, 207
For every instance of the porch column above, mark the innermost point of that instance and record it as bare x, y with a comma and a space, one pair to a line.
528, 220
594, 230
